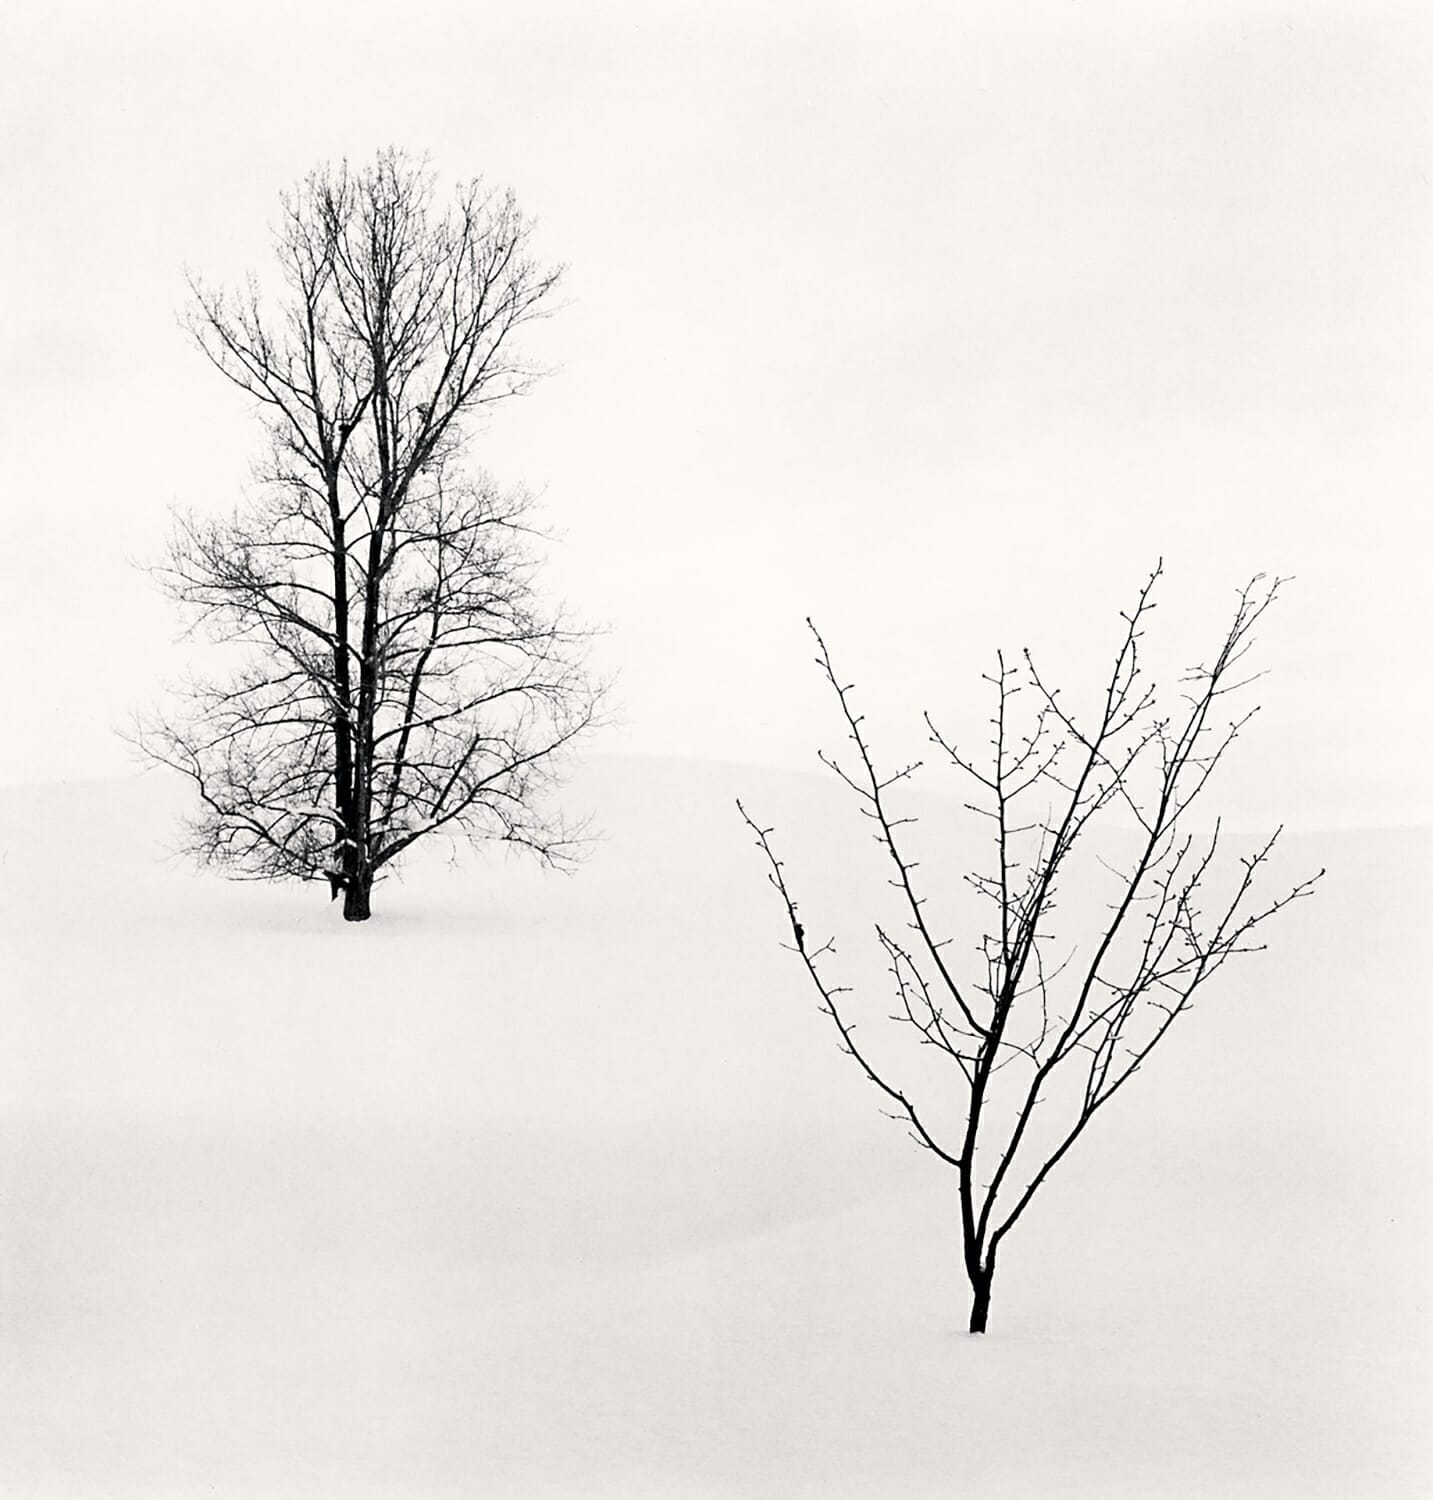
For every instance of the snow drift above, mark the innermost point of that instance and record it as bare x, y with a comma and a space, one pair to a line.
551, 1186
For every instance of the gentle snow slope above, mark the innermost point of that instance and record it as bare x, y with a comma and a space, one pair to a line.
559, 1186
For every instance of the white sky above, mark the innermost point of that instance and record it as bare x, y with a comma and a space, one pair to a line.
937, 322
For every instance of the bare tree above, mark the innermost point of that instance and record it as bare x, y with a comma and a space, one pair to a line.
398, 672
1038, 1039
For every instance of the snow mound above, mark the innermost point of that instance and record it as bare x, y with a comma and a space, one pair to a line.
545, 1185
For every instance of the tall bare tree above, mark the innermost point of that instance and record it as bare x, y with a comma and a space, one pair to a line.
399, 674
1038, 1040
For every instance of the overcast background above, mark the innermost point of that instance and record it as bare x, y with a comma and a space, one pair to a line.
938, 322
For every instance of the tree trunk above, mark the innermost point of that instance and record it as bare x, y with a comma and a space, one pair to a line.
355, 897
980, 1299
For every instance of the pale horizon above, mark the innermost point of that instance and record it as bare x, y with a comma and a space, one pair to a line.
940, 329
682, 1167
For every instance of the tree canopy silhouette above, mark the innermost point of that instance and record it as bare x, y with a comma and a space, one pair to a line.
398, 673
1040, 1035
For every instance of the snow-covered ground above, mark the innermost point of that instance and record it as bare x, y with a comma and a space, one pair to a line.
559, 1187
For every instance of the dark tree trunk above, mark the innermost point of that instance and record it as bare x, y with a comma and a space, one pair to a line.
355, 897
980, 1299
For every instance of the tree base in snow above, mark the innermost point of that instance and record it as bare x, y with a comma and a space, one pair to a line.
356, 906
